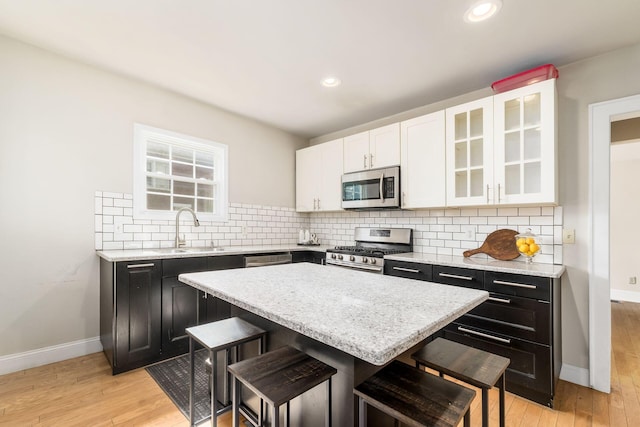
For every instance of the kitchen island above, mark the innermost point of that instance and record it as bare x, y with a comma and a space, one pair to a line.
355, 321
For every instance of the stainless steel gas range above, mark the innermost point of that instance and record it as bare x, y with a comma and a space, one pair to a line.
372, 244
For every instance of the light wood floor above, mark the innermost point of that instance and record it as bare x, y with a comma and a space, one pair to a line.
82, 392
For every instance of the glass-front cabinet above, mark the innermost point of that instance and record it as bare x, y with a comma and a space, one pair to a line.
501, 150
525, 144
469, 145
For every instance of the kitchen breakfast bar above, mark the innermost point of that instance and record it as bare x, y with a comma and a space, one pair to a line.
352, 320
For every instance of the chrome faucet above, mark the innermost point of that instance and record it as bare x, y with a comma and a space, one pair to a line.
182, 242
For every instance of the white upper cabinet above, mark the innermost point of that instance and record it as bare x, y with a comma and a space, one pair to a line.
501, 150
469, 144
422, 165
525, 134
318, 177
373, 149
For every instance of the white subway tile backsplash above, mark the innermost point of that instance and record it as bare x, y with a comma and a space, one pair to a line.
437, 231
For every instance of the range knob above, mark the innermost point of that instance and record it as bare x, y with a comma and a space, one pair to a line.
340, 257
373, 260
365, 260
333, 256
352, 258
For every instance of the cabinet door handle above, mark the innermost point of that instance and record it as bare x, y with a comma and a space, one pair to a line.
404, 197
487, 193
370, 160
483, 335
407, 270
502, 300
314, 204
455, 276
498, 193
318, 204
365, 161
517, 285
131, 266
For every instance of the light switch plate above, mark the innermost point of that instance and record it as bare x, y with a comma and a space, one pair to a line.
568, 236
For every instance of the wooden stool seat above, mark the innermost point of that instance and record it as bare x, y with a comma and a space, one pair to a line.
279, 376
414, 397
216, 336
470, 365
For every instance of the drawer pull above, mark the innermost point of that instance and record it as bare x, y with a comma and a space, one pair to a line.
455, 276
480, 334
407, 270
517, 285
502, 300
140, 265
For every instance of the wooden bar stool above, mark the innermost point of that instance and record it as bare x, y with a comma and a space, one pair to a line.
279, 376
216, 336
414, 397
470, 365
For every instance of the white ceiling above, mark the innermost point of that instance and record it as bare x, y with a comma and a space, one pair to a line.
265, 58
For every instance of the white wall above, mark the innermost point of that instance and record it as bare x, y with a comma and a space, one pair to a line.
66, 131
624, 232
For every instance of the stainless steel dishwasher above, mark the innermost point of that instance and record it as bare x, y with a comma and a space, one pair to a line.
262, 260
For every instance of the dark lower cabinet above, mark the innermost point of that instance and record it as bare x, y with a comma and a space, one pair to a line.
144, 309
521, 321
137, 314
529, 373
308, 256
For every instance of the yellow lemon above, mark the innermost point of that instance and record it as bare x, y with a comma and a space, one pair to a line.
530, 240
521, 241
523, 248
534, 248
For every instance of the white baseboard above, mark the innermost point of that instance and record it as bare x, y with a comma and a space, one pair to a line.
622, 295
44, 356
575, 375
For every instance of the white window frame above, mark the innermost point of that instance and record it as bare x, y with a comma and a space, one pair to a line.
142, 134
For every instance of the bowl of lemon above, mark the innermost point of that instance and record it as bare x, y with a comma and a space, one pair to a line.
527, 244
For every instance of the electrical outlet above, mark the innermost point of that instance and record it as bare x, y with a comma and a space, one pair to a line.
633, 280
568, 236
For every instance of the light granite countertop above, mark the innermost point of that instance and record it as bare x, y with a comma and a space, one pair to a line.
488, 264
370, 316
189, 252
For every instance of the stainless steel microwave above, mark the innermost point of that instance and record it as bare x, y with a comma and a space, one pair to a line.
371, 189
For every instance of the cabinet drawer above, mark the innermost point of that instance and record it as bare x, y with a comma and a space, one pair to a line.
410, 270
525, 318
519, 285
176, 266
464, 277
530, 365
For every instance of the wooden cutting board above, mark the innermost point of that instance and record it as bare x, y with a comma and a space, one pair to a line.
501, 244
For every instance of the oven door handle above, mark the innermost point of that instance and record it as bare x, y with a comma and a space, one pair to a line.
355, 267
382, 186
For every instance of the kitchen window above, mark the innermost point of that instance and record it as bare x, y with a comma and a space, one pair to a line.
172, 171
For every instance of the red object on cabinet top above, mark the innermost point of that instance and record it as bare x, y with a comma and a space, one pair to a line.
534, 75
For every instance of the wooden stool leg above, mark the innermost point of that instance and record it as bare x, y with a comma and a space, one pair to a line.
502, 385
192, 421
214, 388
485, 407
362, 412
467, 418
327, 422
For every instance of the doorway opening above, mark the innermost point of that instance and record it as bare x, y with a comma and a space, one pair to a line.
601, 115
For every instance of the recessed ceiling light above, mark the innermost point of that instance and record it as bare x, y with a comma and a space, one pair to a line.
481, 10
331, 82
